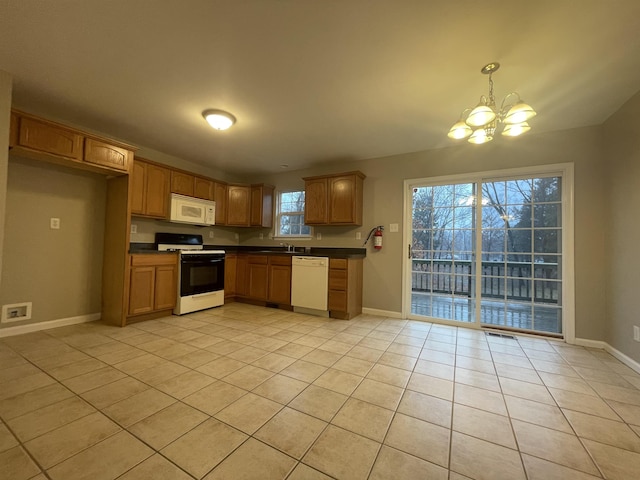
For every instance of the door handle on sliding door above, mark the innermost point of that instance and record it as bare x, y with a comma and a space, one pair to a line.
409, 250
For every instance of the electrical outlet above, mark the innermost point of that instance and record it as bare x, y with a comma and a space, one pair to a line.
318, 236
358, 236
134, 228
262, 236
237, 236
211, 234
54, 223
636, 333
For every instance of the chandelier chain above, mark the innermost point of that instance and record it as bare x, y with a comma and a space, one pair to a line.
492, 100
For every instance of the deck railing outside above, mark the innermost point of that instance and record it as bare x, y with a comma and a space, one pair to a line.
510, 280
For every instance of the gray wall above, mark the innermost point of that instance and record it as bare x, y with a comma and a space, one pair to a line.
622, 158
58, 270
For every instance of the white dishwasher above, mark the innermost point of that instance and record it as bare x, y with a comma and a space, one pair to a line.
310, 282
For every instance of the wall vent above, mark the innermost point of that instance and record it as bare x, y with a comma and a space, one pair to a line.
16, 312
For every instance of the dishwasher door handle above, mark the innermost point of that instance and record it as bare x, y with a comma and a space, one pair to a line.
310, 261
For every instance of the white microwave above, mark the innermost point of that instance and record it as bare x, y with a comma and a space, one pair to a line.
192, 210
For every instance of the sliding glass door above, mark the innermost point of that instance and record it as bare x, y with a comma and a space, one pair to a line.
488, 250
442, 249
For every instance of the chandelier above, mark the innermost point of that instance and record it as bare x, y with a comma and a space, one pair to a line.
481, 123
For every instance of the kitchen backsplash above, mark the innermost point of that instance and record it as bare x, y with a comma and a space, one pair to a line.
146, 229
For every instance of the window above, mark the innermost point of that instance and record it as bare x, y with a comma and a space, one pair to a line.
290, 216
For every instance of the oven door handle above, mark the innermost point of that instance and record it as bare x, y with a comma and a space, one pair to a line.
204, 294
200, 261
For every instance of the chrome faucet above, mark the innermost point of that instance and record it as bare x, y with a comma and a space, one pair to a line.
290, 248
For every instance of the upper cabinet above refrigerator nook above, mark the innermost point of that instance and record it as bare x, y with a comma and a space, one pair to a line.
41, 139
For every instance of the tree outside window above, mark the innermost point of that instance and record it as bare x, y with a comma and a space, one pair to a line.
290, 215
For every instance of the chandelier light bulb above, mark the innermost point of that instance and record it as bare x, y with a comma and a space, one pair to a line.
480, 116
520, 112
479, 137
218, 119
516, 129
459, 130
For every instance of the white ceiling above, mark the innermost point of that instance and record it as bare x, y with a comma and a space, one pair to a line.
313, 80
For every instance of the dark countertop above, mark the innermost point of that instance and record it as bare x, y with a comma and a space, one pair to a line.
332, 252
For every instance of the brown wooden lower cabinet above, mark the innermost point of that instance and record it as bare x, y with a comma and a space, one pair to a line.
153, 283
242, 285
345, 287
280, 279
142, 290
230, 275
267, 278
166, 289
258, 277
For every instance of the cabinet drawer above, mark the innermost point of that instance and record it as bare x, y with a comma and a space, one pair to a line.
338, 263
337, 300
280, 260
258, 259
337, 279
154, 259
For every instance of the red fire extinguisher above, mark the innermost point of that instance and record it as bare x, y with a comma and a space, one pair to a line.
377, 237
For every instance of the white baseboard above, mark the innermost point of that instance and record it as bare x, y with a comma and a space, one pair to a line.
585, 342
628, 361
36, 327
381, 313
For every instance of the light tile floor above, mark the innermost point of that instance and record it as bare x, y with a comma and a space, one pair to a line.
243, 392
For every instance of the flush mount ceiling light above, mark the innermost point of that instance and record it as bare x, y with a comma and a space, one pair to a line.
479, 124
219, 119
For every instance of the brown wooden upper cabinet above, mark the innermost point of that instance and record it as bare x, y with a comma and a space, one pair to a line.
238, 205
49, 138
53, 142
182, 183
106, 155
149, 189
203, 188
13, 130
249, 205
334, 199
316, 201
220, 196
261, 205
